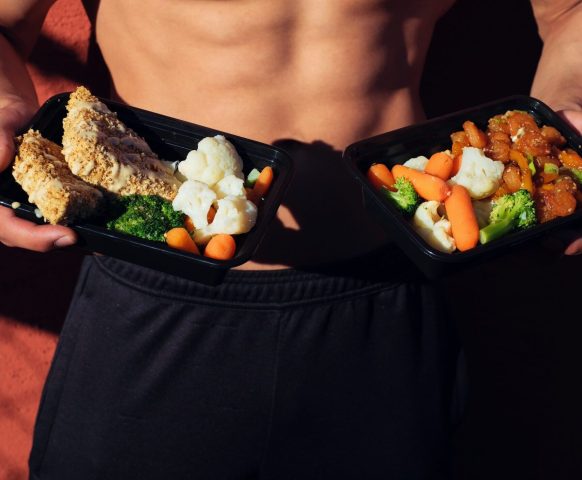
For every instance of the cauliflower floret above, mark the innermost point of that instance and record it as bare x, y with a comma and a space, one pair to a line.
433, 228
441, 237
230, 185
480, 175
482, 211
426, 214
215, 158
194, 199
234, 215
417, 163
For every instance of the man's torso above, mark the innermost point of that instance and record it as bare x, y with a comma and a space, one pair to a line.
310, 76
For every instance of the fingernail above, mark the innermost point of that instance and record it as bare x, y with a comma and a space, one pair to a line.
573, 251
64, 241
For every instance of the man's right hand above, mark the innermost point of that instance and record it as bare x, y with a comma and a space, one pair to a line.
14, 231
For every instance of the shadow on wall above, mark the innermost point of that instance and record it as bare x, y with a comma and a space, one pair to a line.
481, 51
61, 60
66, 55
51, 58
37, 287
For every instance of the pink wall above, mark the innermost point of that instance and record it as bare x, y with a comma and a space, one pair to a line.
63, 58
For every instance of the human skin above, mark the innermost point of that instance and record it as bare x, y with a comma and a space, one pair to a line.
557, 79
311, 77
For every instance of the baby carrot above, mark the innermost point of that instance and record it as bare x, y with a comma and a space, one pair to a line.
189, 224
457, 160
211, 214
427, 186
380, 176
220, 247
180, 238
462, 217
440, 165
263, 183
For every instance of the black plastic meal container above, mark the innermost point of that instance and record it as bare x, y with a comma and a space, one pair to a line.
398, 146
171, 139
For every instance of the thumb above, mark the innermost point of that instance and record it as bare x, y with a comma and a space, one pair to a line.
14, 115
575, 248
6, 148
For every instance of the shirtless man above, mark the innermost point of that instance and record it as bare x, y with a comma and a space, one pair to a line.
311, 77
329, 73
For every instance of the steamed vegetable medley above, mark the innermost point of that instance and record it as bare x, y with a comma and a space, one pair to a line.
214, 202
490, 183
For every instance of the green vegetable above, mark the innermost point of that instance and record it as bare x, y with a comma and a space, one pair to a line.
530, 163
252, 177
405, 197
550, 168
514, 211
577, 173
144, 216
532, 168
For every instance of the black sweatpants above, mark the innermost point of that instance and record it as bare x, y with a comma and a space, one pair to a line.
343, 373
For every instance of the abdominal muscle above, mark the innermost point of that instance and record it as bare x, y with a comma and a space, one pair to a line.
309, 77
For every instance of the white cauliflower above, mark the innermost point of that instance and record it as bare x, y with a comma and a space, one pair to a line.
234, 215
417, 163
426, 214
214, 159
441, 237
195, 198
230, 185
433, 228
480, 175
482, 210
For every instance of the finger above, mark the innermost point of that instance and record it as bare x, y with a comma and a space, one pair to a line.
17, 232
12, 117
575, 248
573, 117
6, 148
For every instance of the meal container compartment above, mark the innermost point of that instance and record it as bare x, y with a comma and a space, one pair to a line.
426, 138
171, 139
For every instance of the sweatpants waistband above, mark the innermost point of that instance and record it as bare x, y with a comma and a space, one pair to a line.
381, 269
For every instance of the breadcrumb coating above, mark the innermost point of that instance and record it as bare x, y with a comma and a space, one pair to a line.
41, 171
103, 151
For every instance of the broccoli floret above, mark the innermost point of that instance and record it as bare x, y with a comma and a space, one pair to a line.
404, 197
144, 216
514, 211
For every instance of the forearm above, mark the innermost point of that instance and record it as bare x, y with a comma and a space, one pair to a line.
558, 77
20, 24
557, 80
15, 82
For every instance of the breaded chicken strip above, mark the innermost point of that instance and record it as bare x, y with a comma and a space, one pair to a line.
101, 150
41, 171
